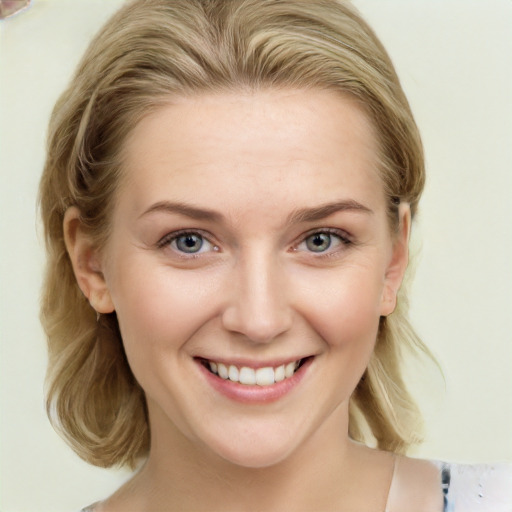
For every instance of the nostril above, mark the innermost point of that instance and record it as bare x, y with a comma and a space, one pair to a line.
257, 325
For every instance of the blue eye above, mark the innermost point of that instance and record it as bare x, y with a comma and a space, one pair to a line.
323, 241
187, 243
190, 243
319, 242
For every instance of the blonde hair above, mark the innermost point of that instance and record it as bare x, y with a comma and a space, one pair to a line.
148, 51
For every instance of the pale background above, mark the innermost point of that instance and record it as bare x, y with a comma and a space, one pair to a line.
454, 60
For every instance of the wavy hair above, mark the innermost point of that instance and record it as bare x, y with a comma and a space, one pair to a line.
147, 52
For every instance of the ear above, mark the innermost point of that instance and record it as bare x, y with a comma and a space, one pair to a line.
399, 259
86, 262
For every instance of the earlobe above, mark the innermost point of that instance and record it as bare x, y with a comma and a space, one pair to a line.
86, 262
398, 264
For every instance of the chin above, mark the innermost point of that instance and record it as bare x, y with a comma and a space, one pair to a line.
255, 450
255, 457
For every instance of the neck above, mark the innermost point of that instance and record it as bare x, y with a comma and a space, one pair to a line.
324, 473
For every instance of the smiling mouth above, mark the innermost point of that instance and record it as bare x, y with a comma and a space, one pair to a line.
266, 376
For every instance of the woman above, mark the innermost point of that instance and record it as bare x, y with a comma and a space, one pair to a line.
227, 200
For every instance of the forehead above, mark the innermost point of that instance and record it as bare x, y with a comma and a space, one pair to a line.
284, 146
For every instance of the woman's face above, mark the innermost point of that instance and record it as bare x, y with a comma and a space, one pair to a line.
250, 241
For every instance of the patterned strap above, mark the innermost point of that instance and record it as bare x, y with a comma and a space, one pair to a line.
445, 485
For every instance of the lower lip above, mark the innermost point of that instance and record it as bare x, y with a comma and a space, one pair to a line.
255, 394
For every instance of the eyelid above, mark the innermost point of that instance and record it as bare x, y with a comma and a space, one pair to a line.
331, 231
344, 237
167, 239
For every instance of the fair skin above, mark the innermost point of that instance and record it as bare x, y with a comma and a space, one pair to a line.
250, 230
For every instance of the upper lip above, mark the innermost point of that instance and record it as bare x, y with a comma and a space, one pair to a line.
251, 363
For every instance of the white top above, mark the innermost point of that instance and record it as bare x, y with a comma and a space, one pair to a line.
477, 487
433, 486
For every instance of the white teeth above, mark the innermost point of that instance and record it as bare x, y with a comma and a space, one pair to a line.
279, 373
265, 376
289, 369
262, 376
247, 376
233, 373
222, 371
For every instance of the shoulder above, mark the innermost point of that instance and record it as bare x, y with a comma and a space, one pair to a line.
476, 487
95, 507
415, 483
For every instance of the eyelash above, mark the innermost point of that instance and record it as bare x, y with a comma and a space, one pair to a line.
343, 237
168, 239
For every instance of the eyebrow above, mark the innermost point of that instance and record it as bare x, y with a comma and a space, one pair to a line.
323, 211
297, 216
183, 209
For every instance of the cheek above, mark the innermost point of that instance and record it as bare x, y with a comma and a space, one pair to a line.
159, 310
345, 308
348, 321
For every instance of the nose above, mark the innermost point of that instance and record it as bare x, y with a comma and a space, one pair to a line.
258, 308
